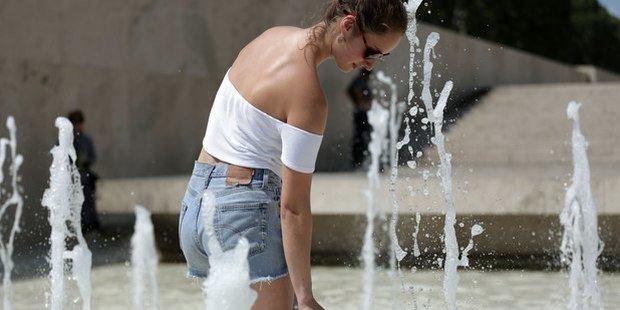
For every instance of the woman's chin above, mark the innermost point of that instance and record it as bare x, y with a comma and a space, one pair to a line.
347, 68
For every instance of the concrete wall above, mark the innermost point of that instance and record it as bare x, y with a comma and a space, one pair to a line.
518, 206
145, 72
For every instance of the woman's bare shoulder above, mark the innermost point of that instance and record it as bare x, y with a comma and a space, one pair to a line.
282, 78
281, 30
270, 38
307, 108
276, 34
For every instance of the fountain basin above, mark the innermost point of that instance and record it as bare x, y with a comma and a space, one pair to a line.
340, 288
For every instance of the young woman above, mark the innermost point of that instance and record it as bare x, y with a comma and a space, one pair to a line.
261, 142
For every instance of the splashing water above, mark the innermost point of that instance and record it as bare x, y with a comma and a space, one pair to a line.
228, 284
144, 260
416, 231
475, 231
14, 199
435, 117
64, 199
581, 245
411, 33
396, 111
414, 42
378, 119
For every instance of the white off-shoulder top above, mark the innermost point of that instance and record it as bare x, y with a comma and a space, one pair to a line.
241, 134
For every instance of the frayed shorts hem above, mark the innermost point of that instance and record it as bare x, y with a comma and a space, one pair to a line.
192, 274
268, 279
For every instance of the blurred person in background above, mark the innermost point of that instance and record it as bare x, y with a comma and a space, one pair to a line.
361, 97
86, 157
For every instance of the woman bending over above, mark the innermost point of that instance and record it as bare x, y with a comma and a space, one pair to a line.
262, 139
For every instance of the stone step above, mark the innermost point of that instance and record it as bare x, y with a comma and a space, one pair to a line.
527, 124
517, 206
477, 190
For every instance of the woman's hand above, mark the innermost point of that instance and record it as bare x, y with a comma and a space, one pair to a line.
312, 304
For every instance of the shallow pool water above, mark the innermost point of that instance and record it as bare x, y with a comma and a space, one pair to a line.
340, 288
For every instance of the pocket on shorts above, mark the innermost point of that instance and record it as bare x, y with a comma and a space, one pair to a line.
249, 220
196, 187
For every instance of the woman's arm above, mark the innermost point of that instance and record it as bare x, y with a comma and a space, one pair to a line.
297, 231
308, 113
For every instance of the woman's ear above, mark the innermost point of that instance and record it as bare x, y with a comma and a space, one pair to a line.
347, 24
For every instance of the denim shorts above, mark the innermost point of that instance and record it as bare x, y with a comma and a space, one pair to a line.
251, 210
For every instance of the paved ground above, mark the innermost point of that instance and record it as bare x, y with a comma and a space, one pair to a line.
341, 288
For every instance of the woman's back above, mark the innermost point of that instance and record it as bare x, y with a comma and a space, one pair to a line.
272, 74
268, 110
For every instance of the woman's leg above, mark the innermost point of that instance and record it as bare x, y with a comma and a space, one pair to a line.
276, 295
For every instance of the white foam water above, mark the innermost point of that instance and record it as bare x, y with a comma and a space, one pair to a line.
144, 260
64, 198
416, 231
411, 34
581, 244
414, 42
378, 118
435, 117
12, 198
228, 285
396, 115
476, 230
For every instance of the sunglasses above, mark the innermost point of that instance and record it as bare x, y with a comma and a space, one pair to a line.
370, 53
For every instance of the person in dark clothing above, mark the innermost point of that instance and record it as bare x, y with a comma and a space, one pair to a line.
360, 94
86, 157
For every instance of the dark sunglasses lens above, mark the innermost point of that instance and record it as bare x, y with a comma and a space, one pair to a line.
375, 56
372, 54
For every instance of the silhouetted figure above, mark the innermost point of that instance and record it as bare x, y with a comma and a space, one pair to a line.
85, 159
359, 92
